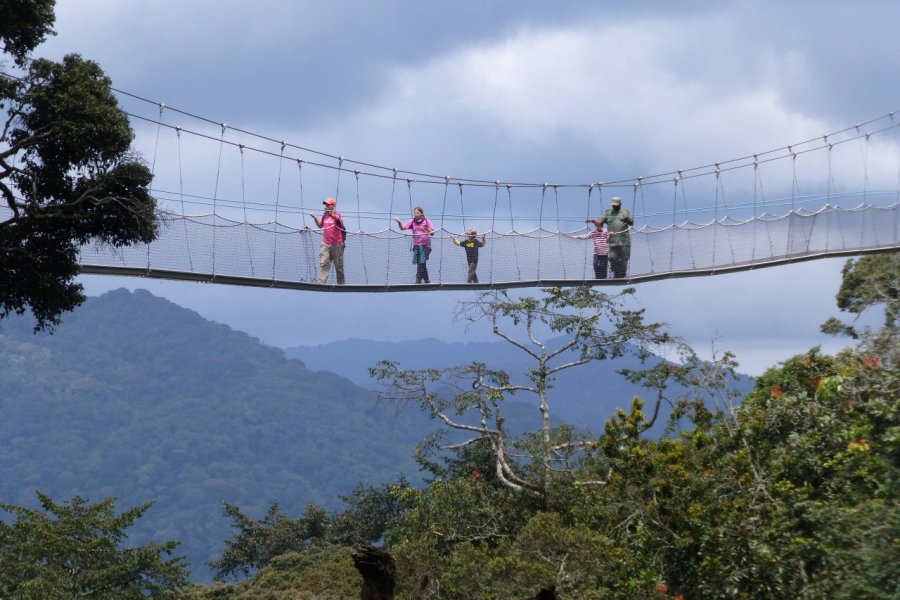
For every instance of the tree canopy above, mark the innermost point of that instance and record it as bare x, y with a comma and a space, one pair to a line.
870, 281
72, 550
68, 176
25, 24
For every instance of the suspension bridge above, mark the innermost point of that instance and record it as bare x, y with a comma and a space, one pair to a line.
238, 214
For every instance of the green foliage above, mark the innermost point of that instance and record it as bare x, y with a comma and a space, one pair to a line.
458, 512
791, 494
72, 550
25, 24
544, 550
870, 281
318, 573
67, 174
258, 542
371, 513
793, 497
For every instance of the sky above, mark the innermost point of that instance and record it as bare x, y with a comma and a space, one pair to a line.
511, 90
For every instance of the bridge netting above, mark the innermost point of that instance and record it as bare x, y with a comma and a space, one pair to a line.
233, 208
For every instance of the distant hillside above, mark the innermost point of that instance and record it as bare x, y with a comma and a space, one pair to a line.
585, 396
137, 398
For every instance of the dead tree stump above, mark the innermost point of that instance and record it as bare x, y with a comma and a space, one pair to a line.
378, 572
546, 593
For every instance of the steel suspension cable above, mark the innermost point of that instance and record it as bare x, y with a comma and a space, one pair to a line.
216, 196
362, 237
493, 231
244, 204
513, 230
187, 241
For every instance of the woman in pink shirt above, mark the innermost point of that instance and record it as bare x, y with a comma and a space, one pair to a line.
422, 230
333, 238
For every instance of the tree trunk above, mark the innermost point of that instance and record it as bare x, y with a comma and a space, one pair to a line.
378, 572
546, 593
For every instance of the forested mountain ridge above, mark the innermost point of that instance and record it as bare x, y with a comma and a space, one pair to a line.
138, 398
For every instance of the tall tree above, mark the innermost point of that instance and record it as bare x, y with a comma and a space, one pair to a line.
584, 325
68, 176
72, 550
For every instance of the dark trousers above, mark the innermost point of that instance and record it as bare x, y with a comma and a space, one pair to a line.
600, 261
473, 276
422, 273
618, 260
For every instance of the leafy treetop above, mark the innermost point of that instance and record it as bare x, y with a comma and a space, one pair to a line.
68, 175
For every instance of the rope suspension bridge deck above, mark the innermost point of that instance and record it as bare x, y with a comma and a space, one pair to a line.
242, 217
272, 255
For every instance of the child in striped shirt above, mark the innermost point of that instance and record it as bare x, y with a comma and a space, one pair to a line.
601, 247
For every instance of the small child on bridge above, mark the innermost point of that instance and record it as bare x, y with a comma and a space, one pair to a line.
471, 246
601, 247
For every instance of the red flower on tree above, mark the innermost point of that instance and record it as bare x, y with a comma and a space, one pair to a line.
871, 361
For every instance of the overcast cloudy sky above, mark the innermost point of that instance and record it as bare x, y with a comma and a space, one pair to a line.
512, 90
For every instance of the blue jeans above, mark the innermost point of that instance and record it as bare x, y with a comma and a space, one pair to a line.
420, 258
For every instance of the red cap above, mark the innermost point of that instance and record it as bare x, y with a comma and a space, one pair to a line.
329, 202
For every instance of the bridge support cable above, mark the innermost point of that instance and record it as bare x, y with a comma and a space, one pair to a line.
493, 229
359, 234
675, 183
443, 226
244, 207
513, 233
865, 167
215, 198
387, 273
276, 223
187, 242
559, 229
587, 229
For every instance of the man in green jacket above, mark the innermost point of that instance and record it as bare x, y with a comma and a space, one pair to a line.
619, 222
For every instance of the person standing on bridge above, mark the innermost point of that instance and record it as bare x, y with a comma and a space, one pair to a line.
619, 222
601, 247
422, 230
334, 235
471, 246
